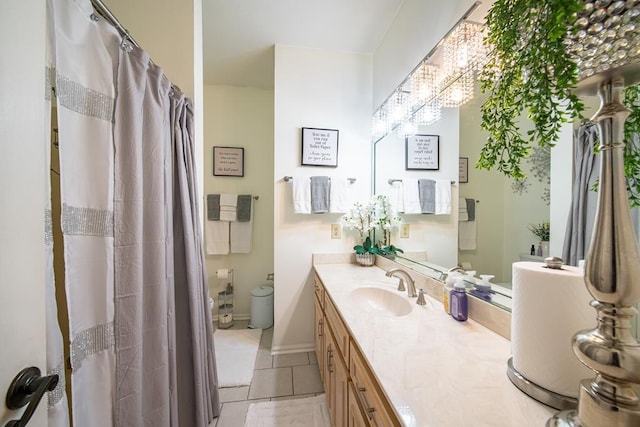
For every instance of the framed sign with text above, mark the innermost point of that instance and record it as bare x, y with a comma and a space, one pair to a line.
422, 152
463, 169
319, 147
228, 161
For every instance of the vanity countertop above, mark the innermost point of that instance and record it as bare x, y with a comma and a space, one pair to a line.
434, 370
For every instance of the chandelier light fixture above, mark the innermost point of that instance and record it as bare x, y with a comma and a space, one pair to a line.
445, 78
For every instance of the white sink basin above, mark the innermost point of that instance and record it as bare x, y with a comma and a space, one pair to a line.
381, 301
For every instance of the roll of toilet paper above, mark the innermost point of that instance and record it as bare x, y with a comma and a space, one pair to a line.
549, 307
222, 273
226, 318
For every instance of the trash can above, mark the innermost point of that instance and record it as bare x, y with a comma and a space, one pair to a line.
261, 307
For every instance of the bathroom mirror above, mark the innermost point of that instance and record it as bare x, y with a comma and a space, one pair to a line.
503, 209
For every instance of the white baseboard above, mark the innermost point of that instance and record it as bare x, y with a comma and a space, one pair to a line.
241, 316
287, 349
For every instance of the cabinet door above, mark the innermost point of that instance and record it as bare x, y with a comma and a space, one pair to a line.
368, 392
319, 337
319, 290
340, 331
340, 392
355, 417
329, 373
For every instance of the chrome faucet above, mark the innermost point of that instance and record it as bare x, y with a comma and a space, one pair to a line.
404, 277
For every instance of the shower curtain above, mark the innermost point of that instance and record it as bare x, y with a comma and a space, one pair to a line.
57, 405
586, 167
140, 328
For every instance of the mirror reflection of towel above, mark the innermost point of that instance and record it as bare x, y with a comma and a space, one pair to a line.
443, 197
467, 235
427, 195
320, 194
411, 199
463, 215
471, 209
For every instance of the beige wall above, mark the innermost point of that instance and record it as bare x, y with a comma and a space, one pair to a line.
165, 29
502, 216
242, 117
171, 32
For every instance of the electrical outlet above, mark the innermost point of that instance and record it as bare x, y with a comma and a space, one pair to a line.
404, 231
336, 231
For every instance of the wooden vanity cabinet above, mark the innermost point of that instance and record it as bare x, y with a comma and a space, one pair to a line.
355, 416
336, 382
370, 397
354, 397
318, 339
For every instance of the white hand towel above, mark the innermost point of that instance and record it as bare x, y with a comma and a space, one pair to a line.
411, 197
340, 198
396, 197
467, 235
228, 207
217, 237
301, 195
241, 234
443, 197
463, 215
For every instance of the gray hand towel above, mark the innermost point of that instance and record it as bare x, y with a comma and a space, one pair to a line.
320, 186
427, 195
213, 207
243, 209
471, 209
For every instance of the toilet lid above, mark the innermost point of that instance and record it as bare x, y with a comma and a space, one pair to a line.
262, 291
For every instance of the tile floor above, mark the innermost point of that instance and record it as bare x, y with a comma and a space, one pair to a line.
287, 376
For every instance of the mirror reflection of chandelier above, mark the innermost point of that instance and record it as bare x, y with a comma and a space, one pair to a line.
445, 78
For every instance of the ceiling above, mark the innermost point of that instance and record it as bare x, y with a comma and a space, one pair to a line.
239, 34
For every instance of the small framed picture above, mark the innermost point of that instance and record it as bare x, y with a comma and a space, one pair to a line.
463, 170
422, 152
228, 161
319, 147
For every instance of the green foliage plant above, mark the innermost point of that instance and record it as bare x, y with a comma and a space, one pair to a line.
541, 231
632, 144
528, 69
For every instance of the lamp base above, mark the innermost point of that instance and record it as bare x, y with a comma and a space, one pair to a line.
597, 411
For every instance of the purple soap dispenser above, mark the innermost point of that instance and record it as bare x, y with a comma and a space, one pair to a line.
458, 302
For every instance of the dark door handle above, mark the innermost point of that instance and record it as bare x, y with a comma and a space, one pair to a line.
28, 387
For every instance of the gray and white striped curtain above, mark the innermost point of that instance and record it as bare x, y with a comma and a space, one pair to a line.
83, 60
140, 328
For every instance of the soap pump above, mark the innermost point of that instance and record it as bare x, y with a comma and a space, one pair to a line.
452, 277
458, 302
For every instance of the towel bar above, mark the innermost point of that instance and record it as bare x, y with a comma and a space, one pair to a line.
392, 180
290, 178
